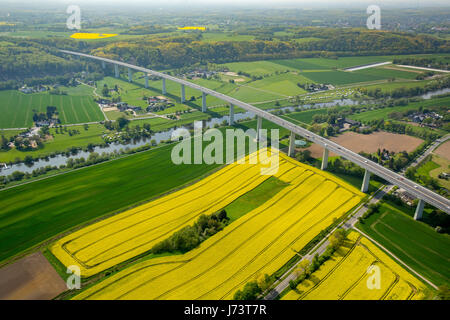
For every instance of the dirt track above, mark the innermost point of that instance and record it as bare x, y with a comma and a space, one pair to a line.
30, 278
370, 143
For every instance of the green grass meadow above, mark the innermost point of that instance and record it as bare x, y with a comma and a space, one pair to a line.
414, 242
17, 108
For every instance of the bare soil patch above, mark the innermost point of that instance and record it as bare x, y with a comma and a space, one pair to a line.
232, 74
370, 143
30, 278
444, 150
110, 109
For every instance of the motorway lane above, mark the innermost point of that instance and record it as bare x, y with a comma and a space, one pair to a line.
416, 190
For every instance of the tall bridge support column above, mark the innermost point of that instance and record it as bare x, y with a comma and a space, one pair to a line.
103, 64
258, 128
203, 102
146, 80
231, 120
366, 180
419, 210
183, 94
324, 159
164, 86
291, 151
116, 70
130, 75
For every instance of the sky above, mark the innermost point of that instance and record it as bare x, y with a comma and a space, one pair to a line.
244, 3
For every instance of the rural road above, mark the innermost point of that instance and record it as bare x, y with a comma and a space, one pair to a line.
321, 247
428, 151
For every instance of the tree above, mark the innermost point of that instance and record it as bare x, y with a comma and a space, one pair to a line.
263, 281
443, 292
4, 143
302, 267
250, 291
122, 122
105, 90
337, 238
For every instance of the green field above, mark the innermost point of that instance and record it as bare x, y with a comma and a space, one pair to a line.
254, 198
385, 73
384, 112
34, 212
414, 242
60, 142
336, 77
327, 64
305, 116
17, 108
434, 168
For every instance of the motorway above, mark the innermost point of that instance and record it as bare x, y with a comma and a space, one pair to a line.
413, 188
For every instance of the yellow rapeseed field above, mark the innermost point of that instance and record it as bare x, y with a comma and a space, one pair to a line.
192, 28
345, 276
260, 242
128, 234
89, 36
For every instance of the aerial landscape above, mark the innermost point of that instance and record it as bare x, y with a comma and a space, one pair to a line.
199, 150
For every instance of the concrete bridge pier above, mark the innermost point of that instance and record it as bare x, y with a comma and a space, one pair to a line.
183, 94
324, 159
103, 64
291, 151
366, 180
258, 128
419, 210
164, 86
231, 120
130, 75
203, 102
116, 70
146, 80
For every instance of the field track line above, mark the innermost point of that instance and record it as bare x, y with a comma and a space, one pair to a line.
305, 173
396, 258
172, 197
81, 101
258, 232
354, 284
8, 103
391, 287
17, 110
28, 112
62, 109
73, 109
293, 241
172, 230
262, 90
255, 234
406, 254
410, 239
347, 254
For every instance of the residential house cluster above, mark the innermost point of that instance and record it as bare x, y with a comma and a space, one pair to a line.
35, 89
404, 196
345, 124
421, 118
158, 103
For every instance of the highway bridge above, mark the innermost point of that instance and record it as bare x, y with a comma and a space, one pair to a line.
423, 194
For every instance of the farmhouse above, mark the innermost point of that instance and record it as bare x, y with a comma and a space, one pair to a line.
404, 196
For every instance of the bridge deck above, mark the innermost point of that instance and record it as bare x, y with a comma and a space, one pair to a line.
411, 187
